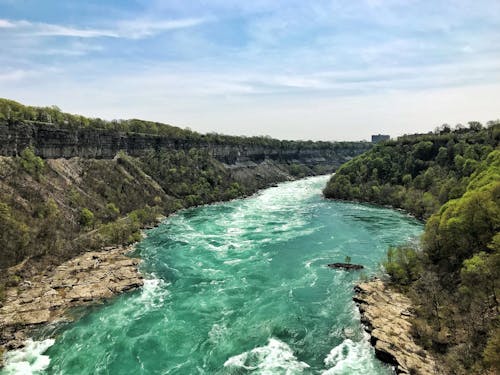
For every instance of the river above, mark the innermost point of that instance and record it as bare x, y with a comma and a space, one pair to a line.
239, 287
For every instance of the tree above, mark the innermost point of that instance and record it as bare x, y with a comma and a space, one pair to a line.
86, 218
14, 235
30, 162
402, 265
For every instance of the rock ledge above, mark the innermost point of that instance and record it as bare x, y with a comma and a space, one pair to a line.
88, 278
386, 315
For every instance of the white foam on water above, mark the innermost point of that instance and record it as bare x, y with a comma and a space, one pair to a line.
232, 261
28, 360
350, 358
274, 358
154, 291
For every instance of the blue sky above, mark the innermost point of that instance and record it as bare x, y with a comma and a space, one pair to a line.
331, 70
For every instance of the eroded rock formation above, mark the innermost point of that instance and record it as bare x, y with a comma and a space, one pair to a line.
51, 141
88, 278
386, 315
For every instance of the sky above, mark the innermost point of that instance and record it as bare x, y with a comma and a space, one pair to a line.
320, 70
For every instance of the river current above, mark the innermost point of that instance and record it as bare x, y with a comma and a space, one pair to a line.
239, 287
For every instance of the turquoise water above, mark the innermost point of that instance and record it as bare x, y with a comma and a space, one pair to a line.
237, 288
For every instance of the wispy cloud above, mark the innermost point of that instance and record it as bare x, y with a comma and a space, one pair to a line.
179, 61
15, 75
136, 29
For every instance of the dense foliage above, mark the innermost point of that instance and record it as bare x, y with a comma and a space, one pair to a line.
452, 178
417, 173
54, 208
192, 178
458, 293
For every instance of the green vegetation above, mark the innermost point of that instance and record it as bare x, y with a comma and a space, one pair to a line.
14, 113
84, 204
14, 236
112, 212
53, 209
403, 265
30, 162
417, 173
191, 177
128, 229
452, 178
86, 217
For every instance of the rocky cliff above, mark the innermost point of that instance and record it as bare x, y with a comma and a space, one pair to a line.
56, 141
63, 189
387, 315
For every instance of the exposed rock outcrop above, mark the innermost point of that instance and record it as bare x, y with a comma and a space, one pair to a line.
52, 141
88, 278
386, 315
346, 266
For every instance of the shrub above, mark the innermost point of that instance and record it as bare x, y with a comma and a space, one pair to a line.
112, 211
30, 162
86, 218
402, 265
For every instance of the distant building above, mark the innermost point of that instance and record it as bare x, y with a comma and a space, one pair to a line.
380, 137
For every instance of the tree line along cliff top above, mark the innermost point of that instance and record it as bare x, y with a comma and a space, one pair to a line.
12, 112
417, 172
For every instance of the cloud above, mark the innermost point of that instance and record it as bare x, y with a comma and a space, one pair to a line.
5, 24
136, 29
139, 29
73, 49
42, 29
14, 75
219, 57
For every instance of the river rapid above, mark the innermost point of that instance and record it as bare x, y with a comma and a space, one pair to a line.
239, 287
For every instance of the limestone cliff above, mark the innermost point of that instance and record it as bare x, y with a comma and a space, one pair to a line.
56, 141
69, 191
386, 315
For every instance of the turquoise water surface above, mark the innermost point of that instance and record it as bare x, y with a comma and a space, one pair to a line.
239, 287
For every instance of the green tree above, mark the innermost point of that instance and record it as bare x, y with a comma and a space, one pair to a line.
30, 162
86, 218
403, 265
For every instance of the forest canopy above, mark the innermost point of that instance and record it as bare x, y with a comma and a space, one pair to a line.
452, 179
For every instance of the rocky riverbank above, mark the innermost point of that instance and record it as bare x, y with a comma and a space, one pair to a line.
386, 315
85, 279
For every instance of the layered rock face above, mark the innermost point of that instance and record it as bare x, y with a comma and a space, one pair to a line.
51, 142
386, 315
91, 277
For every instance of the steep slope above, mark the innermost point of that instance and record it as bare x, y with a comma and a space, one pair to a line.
452, 179
71, 184
418, 173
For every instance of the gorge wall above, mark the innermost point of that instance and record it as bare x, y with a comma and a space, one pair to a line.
51, 141
65, 190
